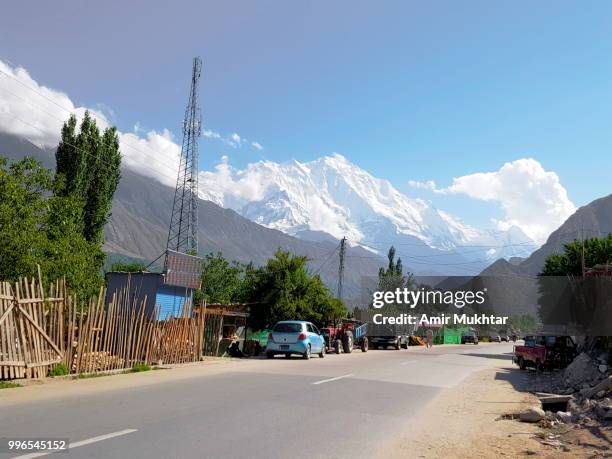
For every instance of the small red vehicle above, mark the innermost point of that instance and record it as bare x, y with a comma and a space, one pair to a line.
345, 336
545, 351
333, 338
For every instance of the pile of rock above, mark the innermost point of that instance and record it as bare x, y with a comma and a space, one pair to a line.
589, 382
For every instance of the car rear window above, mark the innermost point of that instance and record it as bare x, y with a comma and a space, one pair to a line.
288, 328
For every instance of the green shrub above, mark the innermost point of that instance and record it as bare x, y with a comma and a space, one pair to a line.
139, 367
59, 370
8, 385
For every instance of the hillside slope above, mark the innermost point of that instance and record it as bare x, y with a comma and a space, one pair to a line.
138, 227
591, 220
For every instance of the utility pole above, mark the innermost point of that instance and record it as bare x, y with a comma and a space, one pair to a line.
582, 257
341, 266
183, 232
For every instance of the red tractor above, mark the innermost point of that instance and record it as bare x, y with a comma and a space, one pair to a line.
333, 339
346, 335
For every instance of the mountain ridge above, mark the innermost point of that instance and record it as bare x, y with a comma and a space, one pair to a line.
138, 227
333, 195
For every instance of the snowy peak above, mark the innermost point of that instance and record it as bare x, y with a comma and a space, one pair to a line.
334, 196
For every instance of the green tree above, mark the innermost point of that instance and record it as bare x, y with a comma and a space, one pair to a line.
88, 169
522, 323
38, 228
221, 280
392, 277
23, 210
566, 298
283, 289
597, 251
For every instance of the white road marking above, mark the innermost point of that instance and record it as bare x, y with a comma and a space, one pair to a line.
333, 379
77, 444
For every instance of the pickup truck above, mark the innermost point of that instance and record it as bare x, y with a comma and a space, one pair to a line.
545, 351
385, 336
469, 337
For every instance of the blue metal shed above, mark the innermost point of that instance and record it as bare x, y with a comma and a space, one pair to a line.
167, 293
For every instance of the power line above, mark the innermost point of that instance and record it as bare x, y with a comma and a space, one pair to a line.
424, 244
326, 260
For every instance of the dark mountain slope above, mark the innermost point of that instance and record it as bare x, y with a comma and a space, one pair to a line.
138, 227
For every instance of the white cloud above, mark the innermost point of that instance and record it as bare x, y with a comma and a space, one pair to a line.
427, 185
156, 155
531, 198
228, 186
209, 134
37, 113
235, 140
33, 111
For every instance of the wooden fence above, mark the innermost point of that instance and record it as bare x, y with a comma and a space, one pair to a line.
38, 332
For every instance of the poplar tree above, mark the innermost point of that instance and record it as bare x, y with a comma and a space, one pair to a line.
88, 170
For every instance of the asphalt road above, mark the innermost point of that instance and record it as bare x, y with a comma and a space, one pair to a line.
339, 406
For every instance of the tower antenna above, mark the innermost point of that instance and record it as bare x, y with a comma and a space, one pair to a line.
183, 232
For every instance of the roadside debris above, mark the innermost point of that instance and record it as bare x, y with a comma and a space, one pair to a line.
574, 401
533, 414
581, 370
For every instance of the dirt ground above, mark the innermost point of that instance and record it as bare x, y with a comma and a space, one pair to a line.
472, 425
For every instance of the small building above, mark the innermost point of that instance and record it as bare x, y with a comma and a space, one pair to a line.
225, 323
168, 294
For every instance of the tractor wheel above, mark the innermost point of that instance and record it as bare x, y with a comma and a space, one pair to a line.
364, 345
337, 346
306, 355
347, 343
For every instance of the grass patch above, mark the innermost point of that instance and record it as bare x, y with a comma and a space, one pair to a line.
91, 375
138, 368
59, 370
8, 385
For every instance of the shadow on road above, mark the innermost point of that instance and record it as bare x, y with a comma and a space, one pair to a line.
601, 433
504, 356
518, 378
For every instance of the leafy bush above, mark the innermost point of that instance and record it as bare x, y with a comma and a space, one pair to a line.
59, 370
139, 367
128, 267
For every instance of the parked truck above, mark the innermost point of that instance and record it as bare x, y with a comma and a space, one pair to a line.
545, 352
385, 336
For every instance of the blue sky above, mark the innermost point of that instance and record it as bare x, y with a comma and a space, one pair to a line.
407, 90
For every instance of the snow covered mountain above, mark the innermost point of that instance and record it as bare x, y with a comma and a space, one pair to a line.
331, 196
